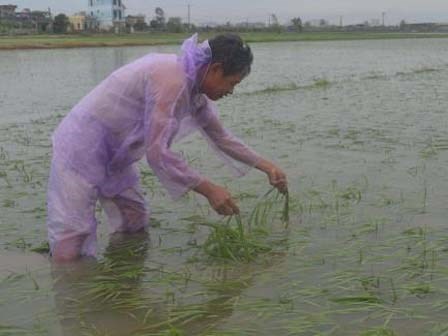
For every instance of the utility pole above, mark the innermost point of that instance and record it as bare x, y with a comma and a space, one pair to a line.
341, 24
383, 14
189, 17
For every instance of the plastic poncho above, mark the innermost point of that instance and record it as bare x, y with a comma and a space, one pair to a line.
140, 110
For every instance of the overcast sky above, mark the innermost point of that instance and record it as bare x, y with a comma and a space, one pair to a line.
352, 11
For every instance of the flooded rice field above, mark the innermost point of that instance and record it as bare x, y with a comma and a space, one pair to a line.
360, 127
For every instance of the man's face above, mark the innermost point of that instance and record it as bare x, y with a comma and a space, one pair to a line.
216, 85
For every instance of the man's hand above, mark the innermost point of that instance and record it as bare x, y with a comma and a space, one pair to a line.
219, 198
277, 178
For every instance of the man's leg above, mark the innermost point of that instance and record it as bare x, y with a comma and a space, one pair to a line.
71, 219
127, 211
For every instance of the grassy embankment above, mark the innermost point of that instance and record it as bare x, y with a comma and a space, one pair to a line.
109, 40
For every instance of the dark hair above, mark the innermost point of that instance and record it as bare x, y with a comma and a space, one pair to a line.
234, 55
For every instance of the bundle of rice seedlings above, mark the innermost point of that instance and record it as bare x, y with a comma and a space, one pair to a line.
237, 242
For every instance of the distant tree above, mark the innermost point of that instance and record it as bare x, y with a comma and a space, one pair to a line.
273, 20
60, 24
189, 27
174, 25
403, 25
159, 21
160, 14
274, 25
297, 24
323, 23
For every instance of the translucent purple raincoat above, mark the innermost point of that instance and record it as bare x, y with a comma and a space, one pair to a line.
139, 110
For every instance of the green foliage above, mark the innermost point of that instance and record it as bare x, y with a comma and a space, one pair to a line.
159, 21
174, 25
297, 24
60, 24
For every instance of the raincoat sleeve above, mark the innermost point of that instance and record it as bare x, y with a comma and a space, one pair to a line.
164, 102
238, 156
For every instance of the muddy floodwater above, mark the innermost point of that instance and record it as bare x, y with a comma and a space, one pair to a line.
361, 129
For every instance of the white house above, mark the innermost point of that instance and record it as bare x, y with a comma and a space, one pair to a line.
109, 13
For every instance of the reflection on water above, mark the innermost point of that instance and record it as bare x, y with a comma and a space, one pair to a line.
120, 294
103, 64
89, 293
58, 79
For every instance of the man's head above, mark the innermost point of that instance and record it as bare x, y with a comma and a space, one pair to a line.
231, 62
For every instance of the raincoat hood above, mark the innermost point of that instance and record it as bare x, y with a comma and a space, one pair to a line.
194, 56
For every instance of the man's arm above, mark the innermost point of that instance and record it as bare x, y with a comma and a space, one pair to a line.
237, 150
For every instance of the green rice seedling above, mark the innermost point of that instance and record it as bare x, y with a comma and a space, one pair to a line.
23, 139
356, 300
10, 330
425, 196
425, 70
388, 157
232, 241
439, 330
378, 332
4, 176
173, 332
11, 278
348, 195
316, 201
279, 88
262, 212
4, 156
394, 291
420, 290
8, 203
430, 150
114, 281
26, 175
19, 243
285, 211
318, 83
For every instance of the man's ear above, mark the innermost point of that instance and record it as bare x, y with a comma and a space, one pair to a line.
216, 68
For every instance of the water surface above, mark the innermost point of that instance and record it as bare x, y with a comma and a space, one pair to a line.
360, 127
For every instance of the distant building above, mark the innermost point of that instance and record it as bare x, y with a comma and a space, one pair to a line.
442, 27
82, 22
251, 25
375, 23
77, 22
209, 24
426, 27
34, 21
317, 23
136, 22
7, 11
109, 13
